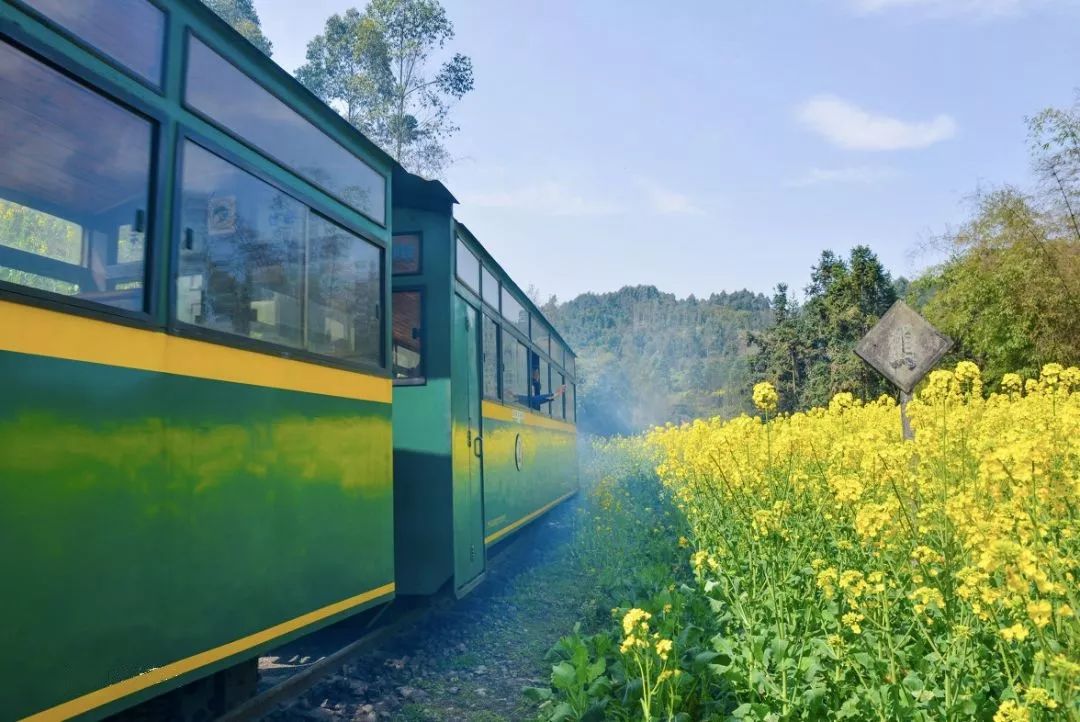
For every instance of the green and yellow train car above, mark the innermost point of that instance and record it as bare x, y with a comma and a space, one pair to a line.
479, 450
195, 391
242, 353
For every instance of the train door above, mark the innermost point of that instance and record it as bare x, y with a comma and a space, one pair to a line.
469, 558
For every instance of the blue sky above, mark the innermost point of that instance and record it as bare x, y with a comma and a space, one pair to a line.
713, 146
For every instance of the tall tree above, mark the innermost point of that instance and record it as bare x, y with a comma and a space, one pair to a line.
378, 68
808, 352
242, 16
1009, 292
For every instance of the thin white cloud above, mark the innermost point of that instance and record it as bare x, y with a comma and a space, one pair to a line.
853, 175
848, 126
949, 8
666, 201
549, 197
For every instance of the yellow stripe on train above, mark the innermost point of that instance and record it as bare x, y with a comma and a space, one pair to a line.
500, 412
37, 331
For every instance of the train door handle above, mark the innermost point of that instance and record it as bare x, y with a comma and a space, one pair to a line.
478, 446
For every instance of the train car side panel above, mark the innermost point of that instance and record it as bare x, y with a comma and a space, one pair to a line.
155, 524
530, 464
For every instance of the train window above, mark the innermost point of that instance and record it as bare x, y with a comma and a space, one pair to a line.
468, 268
74, 187
515, 369
571, 367
558, 353
223, 93
571, 403
491, 357
490, 286
242, 252
408, 336
514, 312
406, 257
541, 336
344, 274
257, 263
131, 32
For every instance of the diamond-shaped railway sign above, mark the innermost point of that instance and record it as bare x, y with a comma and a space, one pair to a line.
903, 346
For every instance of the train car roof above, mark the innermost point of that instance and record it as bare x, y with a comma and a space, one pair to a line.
420, 192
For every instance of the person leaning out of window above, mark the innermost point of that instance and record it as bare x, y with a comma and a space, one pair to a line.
535, 400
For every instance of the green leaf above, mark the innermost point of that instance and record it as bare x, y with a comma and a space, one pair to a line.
563, 676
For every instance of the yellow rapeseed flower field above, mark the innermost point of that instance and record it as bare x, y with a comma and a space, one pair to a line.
851, 573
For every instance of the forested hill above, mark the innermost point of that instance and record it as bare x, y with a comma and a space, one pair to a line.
646, 357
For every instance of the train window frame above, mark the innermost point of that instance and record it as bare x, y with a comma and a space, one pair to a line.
420, 380
191, 34
100, 54
222, 338
419, 254
156, 241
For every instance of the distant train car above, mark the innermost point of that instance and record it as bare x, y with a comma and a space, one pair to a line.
480, 446
195, 418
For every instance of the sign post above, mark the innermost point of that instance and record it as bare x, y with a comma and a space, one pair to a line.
903, 347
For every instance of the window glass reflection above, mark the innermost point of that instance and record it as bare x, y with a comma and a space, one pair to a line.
343, 293
246, 250
225, 94
515, 371
408, 335
468, 267
514, 312
491, 357
490, 286
74, 187
131, 32
406, 255
541, 336
241, 261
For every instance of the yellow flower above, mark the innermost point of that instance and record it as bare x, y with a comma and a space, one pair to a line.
765, 396
663, 648
1012, 711
635, 620
1039, 696
1039, 612
1016, 633
851, 621
1011, 383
